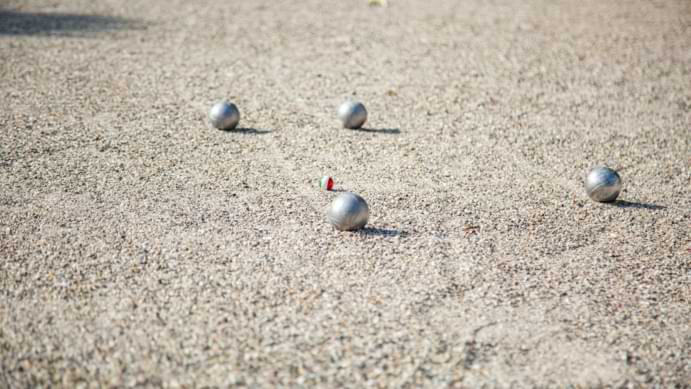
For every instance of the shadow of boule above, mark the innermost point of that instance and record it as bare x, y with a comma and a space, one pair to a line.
61, 24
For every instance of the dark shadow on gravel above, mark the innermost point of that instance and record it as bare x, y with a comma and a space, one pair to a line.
386, 232
628, 204
391, 131
61, 24
243, 130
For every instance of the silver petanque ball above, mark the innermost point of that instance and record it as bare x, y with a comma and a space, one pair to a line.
352, 114
224, 116
348, 212
603, 184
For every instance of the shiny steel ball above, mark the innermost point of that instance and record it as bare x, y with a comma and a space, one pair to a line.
352, 114
348, 212
603, 184
224, 116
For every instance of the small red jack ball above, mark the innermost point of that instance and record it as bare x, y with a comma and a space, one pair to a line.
326, 183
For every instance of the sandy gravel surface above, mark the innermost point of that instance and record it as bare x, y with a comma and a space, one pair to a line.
139, 246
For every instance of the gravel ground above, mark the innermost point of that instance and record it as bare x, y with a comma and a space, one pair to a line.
140, 247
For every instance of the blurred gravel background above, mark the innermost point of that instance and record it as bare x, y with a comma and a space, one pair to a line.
140, 247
